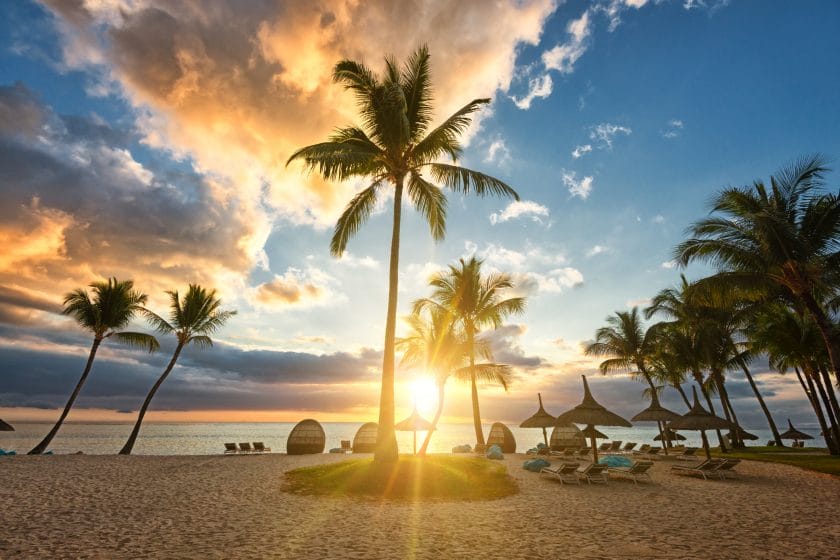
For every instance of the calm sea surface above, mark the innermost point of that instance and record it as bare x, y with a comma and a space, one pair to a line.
208, 439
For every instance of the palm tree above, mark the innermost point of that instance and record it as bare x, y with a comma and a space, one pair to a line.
475, 302
436, 345
191, 319
395, 146
628, 345
776, 242
113, 306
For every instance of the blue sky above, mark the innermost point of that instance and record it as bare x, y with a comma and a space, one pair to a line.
146, 139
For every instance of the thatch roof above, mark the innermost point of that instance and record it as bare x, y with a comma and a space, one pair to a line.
6, 427
589, 432
591, 413
414, 423
743, 434
307, 437
794, 434
698, 418
540, 419
655, 412
365, 439
502, 436
671, 435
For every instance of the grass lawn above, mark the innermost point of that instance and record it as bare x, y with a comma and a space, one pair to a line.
411, 478
807, 458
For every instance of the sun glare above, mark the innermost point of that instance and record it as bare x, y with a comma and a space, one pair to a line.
424, 394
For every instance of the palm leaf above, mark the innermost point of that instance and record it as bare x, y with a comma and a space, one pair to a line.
464, 181
429, 201
353, 217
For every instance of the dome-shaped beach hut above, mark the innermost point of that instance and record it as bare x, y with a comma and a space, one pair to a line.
365, 440
306, 438
502, 436
566, 435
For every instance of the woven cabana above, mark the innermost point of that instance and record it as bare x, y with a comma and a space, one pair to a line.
6, 427
365, 439
306, 438
698, 418
540, 419
502, 436
567, 435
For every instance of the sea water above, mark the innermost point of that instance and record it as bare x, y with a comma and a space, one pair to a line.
208, 438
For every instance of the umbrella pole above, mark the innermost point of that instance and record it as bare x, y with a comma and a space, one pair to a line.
415, 441
594, 445
662, 436
705, 444
545, 437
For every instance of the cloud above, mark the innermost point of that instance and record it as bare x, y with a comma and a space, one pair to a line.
604, 134
581, 150
539, 87
597, 250
295, 288
673, 129
564, 56
497, 152
504, 342
639, 302
352, 261
579, 188
668, 265
519, 209
614, 8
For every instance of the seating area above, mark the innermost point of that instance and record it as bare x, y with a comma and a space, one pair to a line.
571, 473
246, 449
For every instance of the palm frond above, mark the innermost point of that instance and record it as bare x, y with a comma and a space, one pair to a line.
444, 138
465, 181
137, 340
353, 217
429, 201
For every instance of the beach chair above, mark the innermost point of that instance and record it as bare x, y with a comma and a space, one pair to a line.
689, 454
628, 447
705, 469
259, 447
605, 447
230, 448
584, 452
771, 443
245, 448
653, 451
644, 448
570, 452
637, 470
727, 468
346, 446
615, 447
594, 473
565, 473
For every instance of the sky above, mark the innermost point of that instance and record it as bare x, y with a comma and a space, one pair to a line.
147, 140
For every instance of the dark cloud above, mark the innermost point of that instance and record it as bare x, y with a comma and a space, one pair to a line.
506, 349
21, 114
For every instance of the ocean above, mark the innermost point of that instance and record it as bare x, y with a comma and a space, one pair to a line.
208, 438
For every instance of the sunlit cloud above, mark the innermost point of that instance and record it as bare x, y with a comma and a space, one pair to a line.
564, 56
296, 288
519, 209
577, 187
604, 134
538, 87
581, 150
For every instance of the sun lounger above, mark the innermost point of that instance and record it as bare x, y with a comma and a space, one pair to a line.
230, 448
245, 448
259, 447
584, 452
594, 473
628, 447
654, 451
605, 447
637, 470
689, 454
565, 473
615, 446
644, 448
727, 468
705, 469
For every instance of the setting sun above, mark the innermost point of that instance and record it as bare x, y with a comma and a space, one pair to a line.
423, 394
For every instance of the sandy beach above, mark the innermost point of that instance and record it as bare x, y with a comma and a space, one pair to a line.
234, 507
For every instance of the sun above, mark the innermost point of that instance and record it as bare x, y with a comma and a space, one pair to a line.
424, 394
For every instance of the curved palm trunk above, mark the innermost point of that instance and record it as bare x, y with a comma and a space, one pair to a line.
679, 389
479, 432
829, 441
386, 439
832, 398
728, 411
832, 419
438, 412
827, 331
129, 445
698, 376
41, 447
665, 444
760, 399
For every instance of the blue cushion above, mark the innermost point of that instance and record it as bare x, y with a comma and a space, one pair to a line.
535, 465
615, 461
495, 453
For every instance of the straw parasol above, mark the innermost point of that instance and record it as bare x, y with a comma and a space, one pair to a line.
414, 423
590, 432
698, 418
540, 419
670, 435
743, 434
794, 434
656, 413
6, 427
592, 414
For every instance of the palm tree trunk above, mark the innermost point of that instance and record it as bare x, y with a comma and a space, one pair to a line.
386, 440
438, 412
698, 376
679, 389
41, 447
833, 400
479, 432
129, 445
763, 405
815, 402
827, 330
832, 419
729, 412
653, 388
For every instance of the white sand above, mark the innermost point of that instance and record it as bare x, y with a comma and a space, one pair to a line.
233, 507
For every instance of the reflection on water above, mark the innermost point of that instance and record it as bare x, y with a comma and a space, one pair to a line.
207, 439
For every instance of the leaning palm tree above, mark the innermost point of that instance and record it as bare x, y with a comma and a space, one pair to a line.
112, 307
475, 302
395, 147
776, 241
192, 319
436, 345
626, 344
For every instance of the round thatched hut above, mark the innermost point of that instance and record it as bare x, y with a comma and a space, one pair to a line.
365, 439
502, 436
306, 438
566, 435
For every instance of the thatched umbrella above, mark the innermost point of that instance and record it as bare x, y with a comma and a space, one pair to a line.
540, 419
656, 413
743, 434
794, 434
414, 423
590, 432
6, 427
592, 414
670, 435
698, 418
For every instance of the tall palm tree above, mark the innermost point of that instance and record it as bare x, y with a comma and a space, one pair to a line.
436, 345
395, 146
112, 307
627, 345
780, 241
475, 302
192, 319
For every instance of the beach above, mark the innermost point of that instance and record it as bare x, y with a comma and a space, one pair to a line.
80, 506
